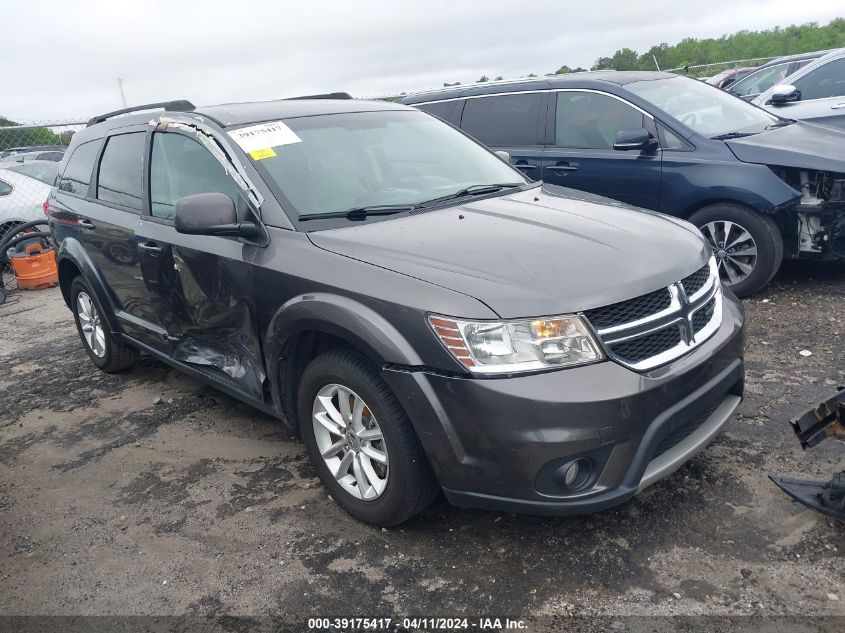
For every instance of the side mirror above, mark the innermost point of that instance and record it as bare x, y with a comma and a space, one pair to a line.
784, 93
639, 139
211, 214
505, 156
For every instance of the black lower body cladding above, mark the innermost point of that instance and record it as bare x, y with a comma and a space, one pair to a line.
510, 443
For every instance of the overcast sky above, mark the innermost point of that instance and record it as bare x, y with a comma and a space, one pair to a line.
62, 62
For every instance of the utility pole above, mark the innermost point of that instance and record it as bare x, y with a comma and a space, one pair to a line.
122, 94
655, 61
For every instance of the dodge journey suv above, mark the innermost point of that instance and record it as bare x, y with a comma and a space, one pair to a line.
424, 315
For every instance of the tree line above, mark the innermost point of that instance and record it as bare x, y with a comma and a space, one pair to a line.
690, 51
30, 136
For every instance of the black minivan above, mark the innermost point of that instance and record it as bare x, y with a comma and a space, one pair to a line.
424, 315
761, 188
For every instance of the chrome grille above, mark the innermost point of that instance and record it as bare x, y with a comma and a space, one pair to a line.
630, 310
695, 282
643, 347
655, 328
703, 316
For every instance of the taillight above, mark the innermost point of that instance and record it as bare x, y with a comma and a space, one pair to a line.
46, 206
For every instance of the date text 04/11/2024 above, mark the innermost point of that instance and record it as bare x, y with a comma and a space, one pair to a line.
416, 624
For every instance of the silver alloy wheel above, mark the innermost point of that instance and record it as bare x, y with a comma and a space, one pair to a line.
89, 321
350, 441
734, 248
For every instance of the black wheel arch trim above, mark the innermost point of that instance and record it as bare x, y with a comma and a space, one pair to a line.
360, 326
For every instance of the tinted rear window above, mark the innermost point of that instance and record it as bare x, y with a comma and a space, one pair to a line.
440, 109
121, 170
503, 120
77, 174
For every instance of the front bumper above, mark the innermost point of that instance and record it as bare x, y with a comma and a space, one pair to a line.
499, 443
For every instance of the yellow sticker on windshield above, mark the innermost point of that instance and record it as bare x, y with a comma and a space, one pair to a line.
261, 154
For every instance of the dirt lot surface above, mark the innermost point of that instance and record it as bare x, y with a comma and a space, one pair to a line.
149, 493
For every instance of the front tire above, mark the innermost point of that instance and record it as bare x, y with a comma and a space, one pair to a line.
103, 349
748, 246
361, 442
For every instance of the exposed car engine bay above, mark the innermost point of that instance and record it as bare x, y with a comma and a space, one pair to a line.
819, 211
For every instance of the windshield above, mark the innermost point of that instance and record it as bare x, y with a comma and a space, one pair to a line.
703, 108
760, 81
371, 159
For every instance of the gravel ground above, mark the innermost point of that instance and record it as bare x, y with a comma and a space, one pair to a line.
148, 493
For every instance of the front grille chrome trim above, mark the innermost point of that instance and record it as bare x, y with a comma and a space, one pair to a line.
674, 308
679, 314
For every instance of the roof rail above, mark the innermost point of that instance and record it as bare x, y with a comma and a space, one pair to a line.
180, 105
328, 95
469, 86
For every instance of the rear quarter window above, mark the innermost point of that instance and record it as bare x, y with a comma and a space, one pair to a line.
77, 174
441, 109
5, 188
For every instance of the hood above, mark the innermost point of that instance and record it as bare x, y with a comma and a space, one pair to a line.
801, 145
532, 253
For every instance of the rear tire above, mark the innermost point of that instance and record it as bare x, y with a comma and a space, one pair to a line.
383, 494
748, 245
103, 349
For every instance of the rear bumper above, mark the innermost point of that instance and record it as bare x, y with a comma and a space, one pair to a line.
501, 443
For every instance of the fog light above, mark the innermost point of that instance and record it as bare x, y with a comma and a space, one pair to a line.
575, 475
571, 474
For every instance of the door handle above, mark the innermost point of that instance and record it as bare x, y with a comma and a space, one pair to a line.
150, 247
562, 169
86, 224
838, 106
524, 166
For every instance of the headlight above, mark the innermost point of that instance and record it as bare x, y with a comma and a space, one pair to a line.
503, 347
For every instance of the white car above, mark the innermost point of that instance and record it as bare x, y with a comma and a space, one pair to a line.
21, 199
815, 94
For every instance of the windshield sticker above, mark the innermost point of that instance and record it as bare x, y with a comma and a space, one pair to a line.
261, 154
264, 136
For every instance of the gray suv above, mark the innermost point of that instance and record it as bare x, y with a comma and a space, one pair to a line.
422, 313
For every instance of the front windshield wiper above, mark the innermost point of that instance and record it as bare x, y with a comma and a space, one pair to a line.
729, 135
360, 213
473, 190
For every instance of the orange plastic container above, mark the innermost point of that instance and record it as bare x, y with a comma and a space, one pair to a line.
35, 267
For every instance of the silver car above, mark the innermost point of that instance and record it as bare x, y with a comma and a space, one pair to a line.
21, 197
815, 93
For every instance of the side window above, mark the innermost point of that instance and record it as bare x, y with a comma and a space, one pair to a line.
5, 188
589, 120
503, 120
122, 170
825, 81
440, 109
78, 170
180, 167
671, 140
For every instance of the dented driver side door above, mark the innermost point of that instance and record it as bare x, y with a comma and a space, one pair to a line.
200, 287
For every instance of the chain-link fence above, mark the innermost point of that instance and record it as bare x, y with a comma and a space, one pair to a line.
29, 159
729, 68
